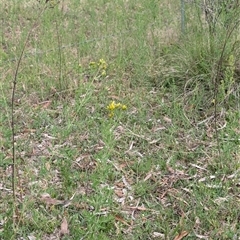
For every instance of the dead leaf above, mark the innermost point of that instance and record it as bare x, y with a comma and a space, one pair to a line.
202, 237
149, 175
31, 237
167, 119
170, 169
64, 227
119, 192
138, 208
47, 166
157, 235
45, 104
28, 130
114, 97
46, 198
128, 186
181, 235
120, 219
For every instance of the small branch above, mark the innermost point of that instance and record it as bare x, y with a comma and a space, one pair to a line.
13, 123
60, 78
13, 128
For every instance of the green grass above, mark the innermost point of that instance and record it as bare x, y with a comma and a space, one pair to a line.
151, 171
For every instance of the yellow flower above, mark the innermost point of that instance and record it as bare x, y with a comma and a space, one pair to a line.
111, 114
103, 73
102, 64
93, 64
111, 106
124, 107
118, 105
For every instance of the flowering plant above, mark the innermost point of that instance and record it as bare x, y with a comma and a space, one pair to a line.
113, 106
100, 66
